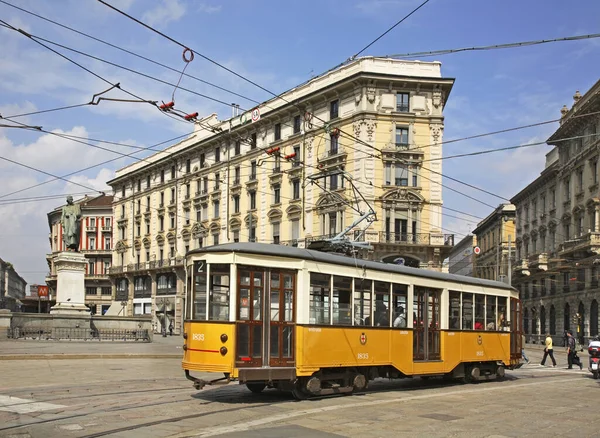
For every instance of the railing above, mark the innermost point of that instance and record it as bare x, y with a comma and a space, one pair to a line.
115, 269
78, 334
106, 229
236, 182
91, 229
277, 169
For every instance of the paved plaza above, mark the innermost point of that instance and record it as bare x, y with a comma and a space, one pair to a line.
139, 390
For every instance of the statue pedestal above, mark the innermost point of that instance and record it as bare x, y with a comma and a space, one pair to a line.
70, 287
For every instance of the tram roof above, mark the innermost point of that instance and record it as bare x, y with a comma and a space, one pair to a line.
275, 250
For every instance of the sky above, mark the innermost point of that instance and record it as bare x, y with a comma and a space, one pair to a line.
277, 45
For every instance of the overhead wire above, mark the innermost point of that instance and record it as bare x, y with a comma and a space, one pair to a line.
130, 52
492, 47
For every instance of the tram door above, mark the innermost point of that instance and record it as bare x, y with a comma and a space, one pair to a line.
516, 328
426, 324
265, 317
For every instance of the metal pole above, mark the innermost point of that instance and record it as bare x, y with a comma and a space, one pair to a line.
509, 262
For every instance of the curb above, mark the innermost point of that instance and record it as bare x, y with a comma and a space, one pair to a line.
67, 356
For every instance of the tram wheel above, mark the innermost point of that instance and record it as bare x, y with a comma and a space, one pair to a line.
256, 388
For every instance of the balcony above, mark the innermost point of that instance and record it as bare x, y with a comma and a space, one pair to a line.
583, 246
334, 154
538, 262
107, 229
521, 267
92, 229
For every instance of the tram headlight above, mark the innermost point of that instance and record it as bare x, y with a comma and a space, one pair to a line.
223, 351
224, 338
184, 347
184, 335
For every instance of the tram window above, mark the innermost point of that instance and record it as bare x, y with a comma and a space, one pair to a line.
342, 289
399, 296
319, 298
288, 304
199, 311
467, 311
219, 293
479, 312
188, 291
381, 315
501, 313
490, 312
362, 301
454, 313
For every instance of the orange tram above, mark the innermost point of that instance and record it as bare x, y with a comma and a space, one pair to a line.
316, 323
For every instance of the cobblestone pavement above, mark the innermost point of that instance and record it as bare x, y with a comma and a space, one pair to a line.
149, 397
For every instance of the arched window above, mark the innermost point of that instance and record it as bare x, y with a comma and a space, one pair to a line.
594, 318
542, 320
581, 321
567, 317
552, 320
526, 320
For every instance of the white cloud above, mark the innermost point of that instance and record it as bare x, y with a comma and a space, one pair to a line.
163, 14
208, 9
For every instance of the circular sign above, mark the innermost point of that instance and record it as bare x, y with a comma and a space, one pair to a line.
477, 250
255, 115
363, 338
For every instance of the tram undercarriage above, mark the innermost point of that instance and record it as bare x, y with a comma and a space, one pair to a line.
349, 380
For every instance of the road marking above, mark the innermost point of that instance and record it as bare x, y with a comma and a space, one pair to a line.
288, 415
24, 406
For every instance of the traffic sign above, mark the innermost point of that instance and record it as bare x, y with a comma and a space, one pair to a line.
255, 115
477, 250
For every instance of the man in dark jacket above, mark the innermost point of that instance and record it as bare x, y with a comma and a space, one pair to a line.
572, 357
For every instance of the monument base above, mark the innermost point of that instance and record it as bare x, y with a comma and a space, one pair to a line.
70, 284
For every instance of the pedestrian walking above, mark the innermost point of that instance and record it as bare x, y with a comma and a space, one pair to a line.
171, 328
572, 357
523, 355
548, 351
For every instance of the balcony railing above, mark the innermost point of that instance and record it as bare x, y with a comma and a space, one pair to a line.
107, 229
91, 229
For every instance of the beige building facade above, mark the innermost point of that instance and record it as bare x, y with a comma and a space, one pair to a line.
96, 244
495, 237
291, 177
558, 229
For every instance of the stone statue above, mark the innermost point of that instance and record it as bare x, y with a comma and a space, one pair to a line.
71, 223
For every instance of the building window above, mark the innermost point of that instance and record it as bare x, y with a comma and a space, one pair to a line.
594, 169
276, 232
334, 109
107, 243
252, 237
202, 160
217, 180
217, 155
402, 137
161, 223
236, 175
172, 172
252, 200
276, 194
296, 124
237, 149
106, 291
236, 203
147, 227
188, 165
216, 209
402, 102
277, 131
92, 243
333, 144
567, 186
123, 191
106, 266
162, 176
579, 181
139, 185
252, 170
92, 222
172, 251
173, 195
296, 159
236, 236
198, 215
295, 229
172, 218
216, 239
296, 189
162, 199
148, 182
187, 191
205, 184
253, 141
186, 214
552, 199
138, 229
90, 291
